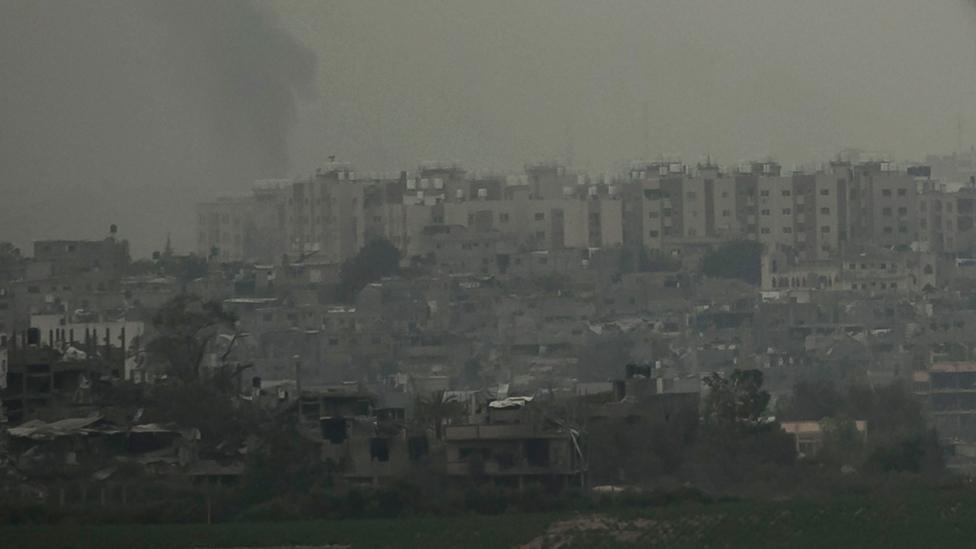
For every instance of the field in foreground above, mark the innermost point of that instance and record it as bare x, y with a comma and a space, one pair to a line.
920, 518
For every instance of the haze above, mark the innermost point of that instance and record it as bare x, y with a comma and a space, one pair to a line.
130, 112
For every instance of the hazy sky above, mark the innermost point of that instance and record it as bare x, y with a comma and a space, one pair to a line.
129, 112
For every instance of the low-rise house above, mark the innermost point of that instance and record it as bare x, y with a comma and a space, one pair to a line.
810, 436
516, 443
948, 390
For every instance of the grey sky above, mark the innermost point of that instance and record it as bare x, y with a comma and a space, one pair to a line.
125, 112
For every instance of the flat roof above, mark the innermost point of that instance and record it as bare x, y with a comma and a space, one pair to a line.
953, 367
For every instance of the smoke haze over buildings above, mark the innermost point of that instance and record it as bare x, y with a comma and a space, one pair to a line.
129, 112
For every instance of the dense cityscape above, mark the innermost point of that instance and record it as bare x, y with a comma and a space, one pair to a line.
492, 321
220, 328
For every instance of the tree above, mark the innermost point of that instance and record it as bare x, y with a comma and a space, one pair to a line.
436, 410
186, 326
740, 259
377, 259
811, 401
843, 443
736, 399
655, 261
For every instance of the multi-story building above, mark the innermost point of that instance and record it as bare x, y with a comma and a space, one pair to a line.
947, 220
659, 206
67, 257
516, 443
223, 228
882, 204
948, 389
325, 215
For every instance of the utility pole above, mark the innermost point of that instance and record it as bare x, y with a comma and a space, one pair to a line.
645, 121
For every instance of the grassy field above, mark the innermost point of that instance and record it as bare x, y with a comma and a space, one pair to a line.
917, 519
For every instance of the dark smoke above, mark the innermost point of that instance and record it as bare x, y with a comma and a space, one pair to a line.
128, 112
252, 72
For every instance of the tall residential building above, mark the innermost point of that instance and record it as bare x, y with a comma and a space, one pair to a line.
325, 215
222, 227
882, 204
947, 221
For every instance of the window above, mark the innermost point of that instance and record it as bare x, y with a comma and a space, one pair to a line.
764, 230
787, 211
539, 216
764, 212
379, 449
725, 213
503, 217
654, 234
653, 215
825, 211
888, 230
902, 192
886, 212
824, 192
902, 229
788, 230
787, 193
692, 195
886, 192
763, 193
825, 229
903, 211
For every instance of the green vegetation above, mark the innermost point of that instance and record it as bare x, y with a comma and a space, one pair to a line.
740, 259
647, 261
902, 516
898, 437
186, 326
427, 532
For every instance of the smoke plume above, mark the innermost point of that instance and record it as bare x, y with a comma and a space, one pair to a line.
121, 111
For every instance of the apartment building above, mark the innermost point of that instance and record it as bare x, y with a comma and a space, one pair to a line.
223, 228
882, 204
67, 257
325, 215
658, 206
947, 220
948, 389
